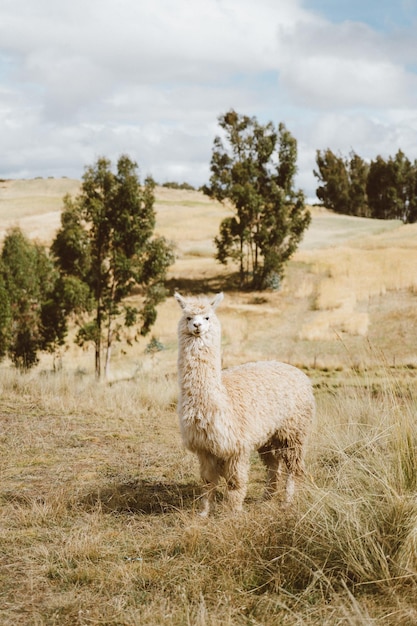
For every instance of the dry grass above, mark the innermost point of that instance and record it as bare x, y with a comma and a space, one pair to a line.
352, 280
98, 498
34, 205
98, 520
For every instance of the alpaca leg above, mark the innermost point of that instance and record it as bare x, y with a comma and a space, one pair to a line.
210, 474
294, 463
289, 488
236, 474
273, 462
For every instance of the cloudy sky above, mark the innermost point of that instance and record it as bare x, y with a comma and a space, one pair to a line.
81, 79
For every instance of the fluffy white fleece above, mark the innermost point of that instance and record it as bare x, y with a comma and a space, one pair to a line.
267, 406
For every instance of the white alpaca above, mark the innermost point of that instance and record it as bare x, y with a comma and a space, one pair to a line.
267, 406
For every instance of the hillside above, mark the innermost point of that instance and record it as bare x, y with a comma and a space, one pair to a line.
349, 295
99, 498
34, 205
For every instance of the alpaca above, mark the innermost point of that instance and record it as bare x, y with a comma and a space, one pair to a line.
267, 406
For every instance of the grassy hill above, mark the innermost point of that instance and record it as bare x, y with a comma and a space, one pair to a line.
34, 205
349, 296
98, 498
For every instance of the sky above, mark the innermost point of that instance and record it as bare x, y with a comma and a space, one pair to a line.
81, 79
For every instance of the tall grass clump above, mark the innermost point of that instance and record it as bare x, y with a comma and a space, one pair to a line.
357, 524
346, 553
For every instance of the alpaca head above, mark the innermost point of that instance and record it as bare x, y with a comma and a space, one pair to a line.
199, 316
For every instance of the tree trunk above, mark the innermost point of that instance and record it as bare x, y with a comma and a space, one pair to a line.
107, 363
98, 358
108, 349
98, 343
241, 269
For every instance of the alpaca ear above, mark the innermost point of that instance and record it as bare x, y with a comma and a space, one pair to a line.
217, 300
181, 301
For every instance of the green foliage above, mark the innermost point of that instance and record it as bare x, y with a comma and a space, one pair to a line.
87, 332
253, 167
154, 346
22, 288
131, 315
71, 244
105, 247
392, 188
358, 171
31, 316
5, 317
383, 189
343, 187
67, 296
173, 185
335, 188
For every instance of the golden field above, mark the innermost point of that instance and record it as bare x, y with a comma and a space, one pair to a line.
98, 498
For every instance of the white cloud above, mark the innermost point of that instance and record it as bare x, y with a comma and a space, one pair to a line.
82, 79
328, 83
327, 66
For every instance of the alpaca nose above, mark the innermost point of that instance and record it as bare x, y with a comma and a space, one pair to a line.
197, 324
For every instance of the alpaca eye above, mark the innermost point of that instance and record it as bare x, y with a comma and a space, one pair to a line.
188, 319
207, 318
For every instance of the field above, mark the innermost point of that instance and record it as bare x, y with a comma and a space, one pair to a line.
98, 498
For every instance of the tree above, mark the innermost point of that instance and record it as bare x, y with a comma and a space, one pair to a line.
391, 188
105, 247
332, 173
358, 171
380, 189
59, 304
253, 168
343, 183
5, 317
411, 208
404, 176
27, 281
383, 189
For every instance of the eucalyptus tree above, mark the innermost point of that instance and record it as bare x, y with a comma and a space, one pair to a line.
392, 188
5, 316
27, 280
106, 247
253, 167
382, 189
333, 176
358, 170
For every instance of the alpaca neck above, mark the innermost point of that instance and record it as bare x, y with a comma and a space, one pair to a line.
203, 399
199, 366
